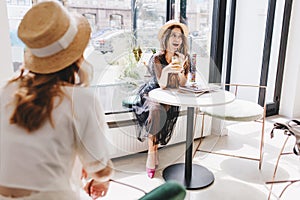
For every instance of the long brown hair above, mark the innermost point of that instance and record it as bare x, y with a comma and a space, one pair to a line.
34, 99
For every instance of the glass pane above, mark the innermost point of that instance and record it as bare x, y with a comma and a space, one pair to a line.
199, 21
124, 37
15, 11
248, 44
150, 17
275, 50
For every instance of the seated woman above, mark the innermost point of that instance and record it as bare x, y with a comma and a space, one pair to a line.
47, 117
156, 121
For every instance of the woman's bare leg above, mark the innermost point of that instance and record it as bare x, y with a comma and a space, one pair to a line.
156, 120
152, 156
152, 151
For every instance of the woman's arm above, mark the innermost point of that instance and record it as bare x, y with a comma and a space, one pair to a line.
104, 174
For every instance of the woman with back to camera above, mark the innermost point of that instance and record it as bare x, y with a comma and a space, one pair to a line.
156, 121
47, 118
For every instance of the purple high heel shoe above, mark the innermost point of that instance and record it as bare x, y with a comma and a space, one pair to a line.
150, 169
150, 172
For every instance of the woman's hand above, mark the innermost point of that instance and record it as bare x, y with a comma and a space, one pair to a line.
163, 80
182, 78
173, 68
181, 57
96, 189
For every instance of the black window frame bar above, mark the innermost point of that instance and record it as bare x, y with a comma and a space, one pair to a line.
170, 10
230, 42
267, 49
134, 20
217, 40
183, 12
273, 108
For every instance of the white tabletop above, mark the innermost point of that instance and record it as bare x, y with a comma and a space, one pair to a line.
177, 98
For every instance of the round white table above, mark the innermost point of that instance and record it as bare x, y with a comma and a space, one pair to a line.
192, 176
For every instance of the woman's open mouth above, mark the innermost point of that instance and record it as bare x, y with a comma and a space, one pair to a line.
176, 45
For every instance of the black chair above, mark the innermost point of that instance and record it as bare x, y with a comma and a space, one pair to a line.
170, 190
167, 191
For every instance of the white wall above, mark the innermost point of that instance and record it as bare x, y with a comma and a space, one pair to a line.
296, 112
6, 68
290, 96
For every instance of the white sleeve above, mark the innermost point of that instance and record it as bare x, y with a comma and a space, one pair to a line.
90, 131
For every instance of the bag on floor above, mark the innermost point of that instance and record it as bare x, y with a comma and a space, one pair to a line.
291, 128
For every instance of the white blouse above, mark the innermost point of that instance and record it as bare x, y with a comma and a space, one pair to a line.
43, 160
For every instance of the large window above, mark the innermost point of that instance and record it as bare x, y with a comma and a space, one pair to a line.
124, 36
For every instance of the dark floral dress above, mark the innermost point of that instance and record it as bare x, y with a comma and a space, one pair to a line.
152, 117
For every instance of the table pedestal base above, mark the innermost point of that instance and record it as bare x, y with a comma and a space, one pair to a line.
200, 177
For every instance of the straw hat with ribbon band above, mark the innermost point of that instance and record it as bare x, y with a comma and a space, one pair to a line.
54, 38
173, 23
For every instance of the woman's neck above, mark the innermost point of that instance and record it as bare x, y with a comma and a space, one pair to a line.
169, 55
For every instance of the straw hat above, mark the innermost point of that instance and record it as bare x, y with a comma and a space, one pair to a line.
54, 37
173, 23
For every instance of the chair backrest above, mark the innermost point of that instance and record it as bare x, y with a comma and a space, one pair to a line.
236, 87
239, 109
168, 191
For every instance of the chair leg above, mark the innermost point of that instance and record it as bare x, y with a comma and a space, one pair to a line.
291, 182
276, 167
262, 143
261, 148
261, 152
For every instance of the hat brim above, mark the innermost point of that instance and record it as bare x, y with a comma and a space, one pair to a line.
173, 23
65, 57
